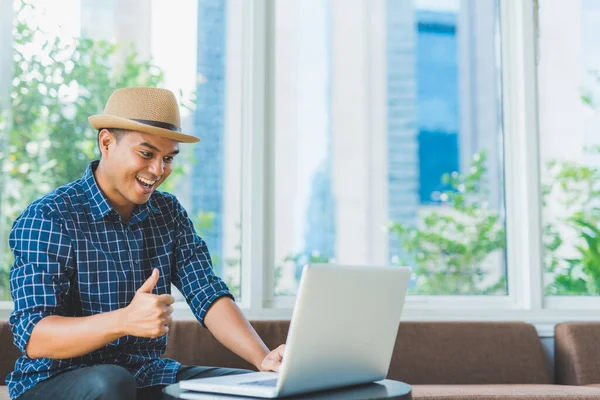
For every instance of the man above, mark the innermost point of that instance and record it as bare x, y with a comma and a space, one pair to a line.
94, 263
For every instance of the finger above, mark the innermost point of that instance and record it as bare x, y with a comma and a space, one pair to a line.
166, 299
273, 365
150, 282
281, 350
168, 310
278, 353
161, 331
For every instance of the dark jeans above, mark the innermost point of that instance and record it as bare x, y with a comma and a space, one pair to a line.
104, 382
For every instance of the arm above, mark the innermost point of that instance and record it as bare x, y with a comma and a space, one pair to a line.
229, 326
58, 337
211, 301
40, 278
66, 337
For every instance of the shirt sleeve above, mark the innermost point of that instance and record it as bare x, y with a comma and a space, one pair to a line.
194, 276
39, 277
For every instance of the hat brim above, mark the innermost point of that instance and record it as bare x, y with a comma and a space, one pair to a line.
109, 121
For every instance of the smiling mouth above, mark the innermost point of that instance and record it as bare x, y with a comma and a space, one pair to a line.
145, 182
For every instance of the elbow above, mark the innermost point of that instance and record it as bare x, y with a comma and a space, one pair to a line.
43, 349
32, 351
39, 343
38, 346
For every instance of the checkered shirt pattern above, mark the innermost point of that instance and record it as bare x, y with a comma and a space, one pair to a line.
74, 257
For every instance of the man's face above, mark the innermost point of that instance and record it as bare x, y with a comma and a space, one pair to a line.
134, 166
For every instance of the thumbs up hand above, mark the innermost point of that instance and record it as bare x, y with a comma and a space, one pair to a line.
150, 283
148, 315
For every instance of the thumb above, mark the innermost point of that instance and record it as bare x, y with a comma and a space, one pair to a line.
150, 282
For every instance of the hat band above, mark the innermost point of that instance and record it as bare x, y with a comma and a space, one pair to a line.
158, 124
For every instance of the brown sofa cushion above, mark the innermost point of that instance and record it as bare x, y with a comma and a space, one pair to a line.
8, 351
191, 344
469, 353
425, 353
577, 353
501, 392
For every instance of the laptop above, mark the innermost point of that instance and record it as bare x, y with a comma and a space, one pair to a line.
342, 333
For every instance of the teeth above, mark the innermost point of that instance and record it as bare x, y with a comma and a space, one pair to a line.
146, 181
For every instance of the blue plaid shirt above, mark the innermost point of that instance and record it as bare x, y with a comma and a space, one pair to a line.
74, 257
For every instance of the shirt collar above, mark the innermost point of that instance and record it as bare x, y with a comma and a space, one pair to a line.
99, 205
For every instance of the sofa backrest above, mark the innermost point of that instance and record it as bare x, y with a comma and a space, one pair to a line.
191, 344
469, 353
577, 353
9, 353
424, 353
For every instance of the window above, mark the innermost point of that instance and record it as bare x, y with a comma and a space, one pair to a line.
569, 94
70, 55
455, 136
388, 146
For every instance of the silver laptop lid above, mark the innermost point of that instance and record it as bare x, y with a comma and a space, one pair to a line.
344, 326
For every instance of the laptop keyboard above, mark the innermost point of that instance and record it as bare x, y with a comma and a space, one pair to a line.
268, 382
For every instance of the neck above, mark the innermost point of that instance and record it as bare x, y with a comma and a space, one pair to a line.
116, 200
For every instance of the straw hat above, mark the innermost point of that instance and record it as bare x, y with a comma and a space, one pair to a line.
143, 109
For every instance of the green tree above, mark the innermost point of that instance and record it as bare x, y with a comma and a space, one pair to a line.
451, 245
449, 248
573, 266
57, 85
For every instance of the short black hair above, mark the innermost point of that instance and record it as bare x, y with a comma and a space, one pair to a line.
117, 133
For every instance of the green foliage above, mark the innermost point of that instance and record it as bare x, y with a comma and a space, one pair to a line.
234, 264
204, 223
56, 86
451, 245
295, 263
587, 97
572, 240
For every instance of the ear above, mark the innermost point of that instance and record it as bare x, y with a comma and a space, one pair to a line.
105, 139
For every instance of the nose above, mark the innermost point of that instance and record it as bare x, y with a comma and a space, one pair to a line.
157, 167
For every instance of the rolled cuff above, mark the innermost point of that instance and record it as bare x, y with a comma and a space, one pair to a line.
206, 297
22, 327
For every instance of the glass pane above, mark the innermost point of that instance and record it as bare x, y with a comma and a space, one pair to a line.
388, 145
569, 100
70, 55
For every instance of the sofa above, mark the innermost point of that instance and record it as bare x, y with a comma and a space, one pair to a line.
441, 360
577, 353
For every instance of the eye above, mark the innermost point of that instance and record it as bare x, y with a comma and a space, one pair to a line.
168, 159
146, 154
